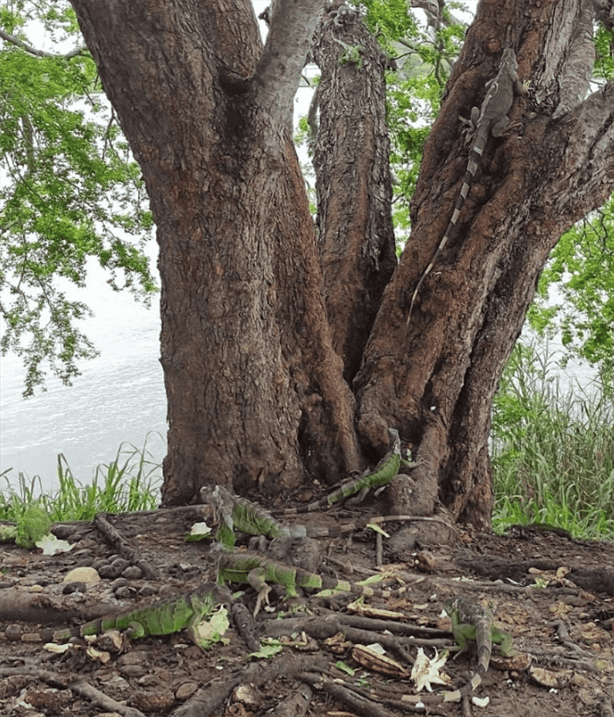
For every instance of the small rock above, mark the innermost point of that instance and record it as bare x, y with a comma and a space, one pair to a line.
13, 633
119, 583
120, 563
109, 571
148, 590
132, 573
133, 670
31, 637
84, 574
185, 691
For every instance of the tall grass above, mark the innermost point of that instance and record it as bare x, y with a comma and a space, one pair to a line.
552, 450
131, 481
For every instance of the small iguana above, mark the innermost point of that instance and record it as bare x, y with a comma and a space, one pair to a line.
243, 566
236, 513
161, 617
489, 119
470, 621
381, 475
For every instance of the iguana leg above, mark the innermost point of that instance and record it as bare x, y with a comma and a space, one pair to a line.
505, 642
498, 128
359, 497
257, 580
135, 630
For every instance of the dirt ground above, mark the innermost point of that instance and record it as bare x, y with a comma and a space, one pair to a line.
552, 593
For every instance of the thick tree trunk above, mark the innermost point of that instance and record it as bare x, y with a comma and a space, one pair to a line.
254, 373
438, 373
255, 390
356, 237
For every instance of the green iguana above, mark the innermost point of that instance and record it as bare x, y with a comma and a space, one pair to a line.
470, 621
161, 617
236, 513
489, 119
381, 475
247, 567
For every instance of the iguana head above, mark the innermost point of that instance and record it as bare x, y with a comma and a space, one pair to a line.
508, 60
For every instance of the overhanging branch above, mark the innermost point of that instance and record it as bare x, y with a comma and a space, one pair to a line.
40, 53
279, 68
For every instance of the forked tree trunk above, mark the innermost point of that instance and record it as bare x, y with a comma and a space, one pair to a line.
254, 366
437, 374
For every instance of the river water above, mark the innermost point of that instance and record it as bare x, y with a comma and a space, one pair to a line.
119, 398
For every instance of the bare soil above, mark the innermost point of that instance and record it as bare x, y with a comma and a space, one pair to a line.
554, 594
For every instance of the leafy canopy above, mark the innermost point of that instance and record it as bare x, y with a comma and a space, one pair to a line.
69, 190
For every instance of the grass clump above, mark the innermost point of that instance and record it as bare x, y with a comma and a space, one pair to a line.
131, 481
552, 450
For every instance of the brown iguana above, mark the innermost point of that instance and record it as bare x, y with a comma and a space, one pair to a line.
489, 119
470, 621
244, 566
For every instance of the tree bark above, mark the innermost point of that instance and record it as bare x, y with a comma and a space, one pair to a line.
251, 377
355, 232
437, 375
259, 343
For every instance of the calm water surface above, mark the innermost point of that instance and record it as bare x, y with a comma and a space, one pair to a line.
118, 398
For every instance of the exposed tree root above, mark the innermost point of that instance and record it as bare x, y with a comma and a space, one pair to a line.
210, 698
246, 626
123, 546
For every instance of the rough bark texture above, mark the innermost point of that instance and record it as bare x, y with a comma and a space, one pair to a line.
437, 376
251, 377
253, 370
356, 237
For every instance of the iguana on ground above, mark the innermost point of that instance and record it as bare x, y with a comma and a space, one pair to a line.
489, 119
381, 475
161, 617
236, 513
470, 621
246, 567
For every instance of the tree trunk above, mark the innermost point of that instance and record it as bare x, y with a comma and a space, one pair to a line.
437, 373
254, 333
255, 390
354, 190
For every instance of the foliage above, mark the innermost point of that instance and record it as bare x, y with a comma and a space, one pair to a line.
129, 482
582, 269
423, 56
553, 451
70, 190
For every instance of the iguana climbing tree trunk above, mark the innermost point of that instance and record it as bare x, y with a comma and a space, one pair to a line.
437, 383
264, 328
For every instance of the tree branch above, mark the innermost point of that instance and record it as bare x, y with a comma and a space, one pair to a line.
282, 60
40, 53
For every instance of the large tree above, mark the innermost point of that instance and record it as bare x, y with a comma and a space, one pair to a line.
286, 347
